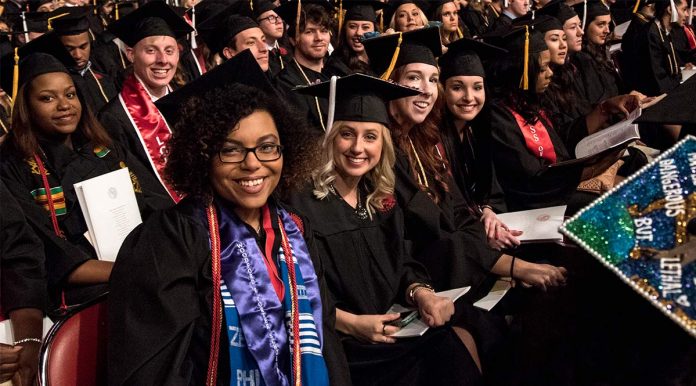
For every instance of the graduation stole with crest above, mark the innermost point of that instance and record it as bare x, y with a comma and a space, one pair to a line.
150, 126
269, 303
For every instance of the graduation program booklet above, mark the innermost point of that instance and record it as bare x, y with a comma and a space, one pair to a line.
537, 225
110, 209
417, 327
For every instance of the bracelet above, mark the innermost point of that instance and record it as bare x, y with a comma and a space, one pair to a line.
27, 340
414, 290
512, 267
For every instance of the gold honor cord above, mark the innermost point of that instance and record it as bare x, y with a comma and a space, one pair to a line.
316, 99
101, 90
672, 58
395, 57
422, 177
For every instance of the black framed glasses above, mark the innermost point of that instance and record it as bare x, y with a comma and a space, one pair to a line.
265, 152
271, 19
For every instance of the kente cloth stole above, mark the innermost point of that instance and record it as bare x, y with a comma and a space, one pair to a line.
259, 324
150, 126
536, 137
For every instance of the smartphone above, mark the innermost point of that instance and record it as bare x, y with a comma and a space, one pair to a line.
404, 319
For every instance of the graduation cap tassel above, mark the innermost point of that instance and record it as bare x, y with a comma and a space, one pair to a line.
50, 20
194, 44
297, 19
673, 8
26, 29
381, 21
460, 33
15, 78
506, 4
116, 10
635, 7
340, 14
251, 5
584, 14
524, 83
94, 5
392, 64
332, 104
691, 14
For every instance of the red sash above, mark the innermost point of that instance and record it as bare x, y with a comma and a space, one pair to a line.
536, 137
690, 36
150, 126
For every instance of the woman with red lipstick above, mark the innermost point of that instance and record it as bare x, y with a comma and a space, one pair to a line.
350, 56
55, 143
222, 289
359, 233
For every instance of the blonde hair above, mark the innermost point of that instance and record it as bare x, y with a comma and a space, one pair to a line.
381, 179
392, 22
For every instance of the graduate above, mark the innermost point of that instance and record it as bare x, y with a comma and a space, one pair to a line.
359, 233
452, 28
229, 33
350, 56
309, 33
271, 24
73, 31
406, 15
512, 9
55, 143
464, 139
478, 16
150, 33
447, 239
222, 289
655, 60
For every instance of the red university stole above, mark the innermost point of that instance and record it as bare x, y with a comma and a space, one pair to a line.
150, 126
536, 137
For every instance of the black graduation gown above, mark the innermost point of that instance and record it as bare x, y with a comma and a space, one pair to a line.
368, 268
335, 66
478, 23
630, 44
164, 264
114, 118
66, 167
681, 45
22, 271
598, 82
107, 57
446, 238
653, 61
525, 178
277, 60
292, 77
96, 88
502, 23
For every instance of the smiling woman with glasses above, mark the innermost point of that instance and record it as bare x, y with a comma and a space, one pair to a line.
225, 287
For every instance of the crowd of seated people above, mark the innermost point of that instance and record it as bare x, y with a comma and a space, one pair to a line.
302, 166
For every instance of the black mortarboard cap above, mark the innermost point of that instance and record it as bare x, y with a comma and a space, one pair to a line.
363, 10
155, 18
288, 9
542, 23
37, 21
387, 52
521, 43
558, 9
253, 8
360, 97
221, 29
463, 57
589, 9
242, 68
677, 108
42, 55
71, 20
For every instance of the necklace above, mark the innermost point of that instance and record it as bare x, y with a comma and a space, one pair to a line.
360, 210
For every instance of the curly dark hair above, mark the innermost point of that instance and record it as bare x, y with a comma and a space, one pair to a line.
204, 125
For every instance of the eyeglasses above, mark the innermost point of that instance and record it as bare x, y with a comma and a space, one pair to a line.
265, 152
271, 19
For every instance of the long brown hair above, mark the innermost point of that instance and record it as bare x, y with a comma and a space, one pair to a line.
23, 140
425, 137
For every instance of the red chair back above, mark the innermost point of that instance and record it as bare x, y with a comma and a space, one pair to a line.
74, 351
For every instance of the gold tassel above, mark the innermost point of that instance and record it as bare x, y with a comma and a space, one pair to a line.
251, 5
50, 20
460, 33
94, 4
15, 78
387, 73
524, 83
381, 22
116, 10
635, 8
340, 15
297, 20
